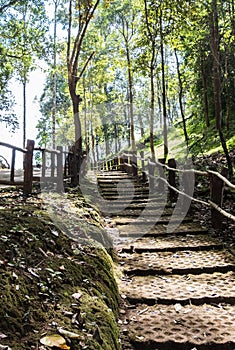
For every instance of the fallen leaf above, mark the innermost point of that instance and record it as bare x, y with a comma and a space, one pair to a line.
69, 334
2, 335
139, 337
14, 275
77, 295
4, 347
54, 340
143, 311
187, 311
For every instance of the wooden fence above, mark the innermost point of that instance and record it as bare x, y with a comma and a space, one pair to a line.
166, 174
61, 166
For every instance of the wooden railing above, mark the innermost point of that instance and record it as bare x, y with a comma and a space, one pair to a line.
59, 168
157, 172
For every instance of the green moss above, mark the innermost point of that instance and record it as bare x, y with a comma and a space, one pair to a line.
41, 269
105, 335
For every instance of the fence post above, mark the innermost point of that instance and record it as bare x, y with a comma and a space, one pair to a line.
60, 184
115, 163
142, 160
43, 163
161, 184
171, 179
151, 168
13, 157
53, 164
125, 161
28, 168
216, 196
121, 163
65, 162
134, 165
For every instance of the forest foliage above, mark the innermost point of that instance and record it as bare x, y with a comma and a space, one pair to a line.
124, 73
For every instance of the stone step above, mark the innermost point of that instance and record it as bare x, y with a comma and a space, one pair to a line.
148, 213
170, 243
121, 185
181, 262
103, 178
136, 205
111, 173
126, 193
142, 220
186, 328
160, 230
197, 289
113, 179
124, 211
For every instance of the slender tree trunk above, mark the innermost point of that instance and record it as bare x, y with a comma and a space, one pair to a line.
139, 115
181, 99
53, 112
97, 148
151, 37
233, 29
116, 136
92, 135
24, 80
130, 84
205, 91
24, 110
107, 147
217, 84
93, 146
163, 93
159, 99
86, 129
152, 107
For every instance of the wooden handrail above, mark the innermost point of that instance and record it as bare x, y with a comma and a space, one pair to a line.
13, 147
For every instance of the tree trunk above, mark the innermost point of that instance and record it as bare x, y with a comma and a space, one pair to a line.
205, 91
130, 84
24, 110
53, 111
78, 139
139, 115
86, 14
116, 137
181, 99
152, 106
93, 145
163, 93
217, 84
159, 99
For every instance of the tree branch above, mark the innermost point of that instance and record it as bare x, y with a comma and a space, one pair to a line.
83, 33
4, 7
69, 35
84, 67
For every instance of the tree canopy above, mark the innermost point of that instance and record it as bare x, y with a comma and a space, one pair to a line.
166, 63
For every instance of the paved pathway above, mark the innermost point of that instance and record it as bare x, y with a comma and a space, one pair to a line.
177, 282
